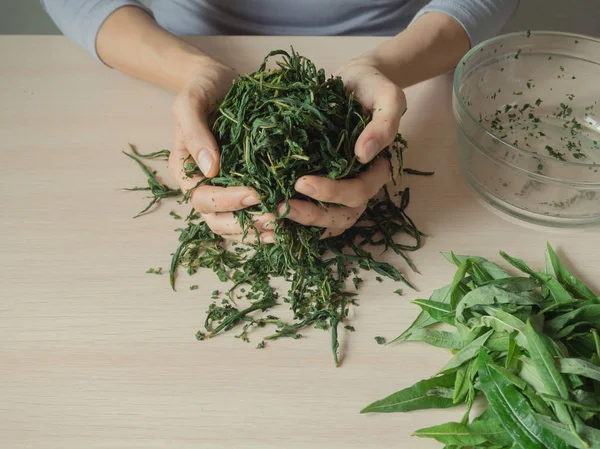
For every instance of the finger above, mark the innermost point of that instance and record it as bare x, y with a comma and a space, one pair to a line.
388, 106
191, 111
332, 232
310, 214
178, 158
348, 192
226, 223
249, 239
208, 199
265, 238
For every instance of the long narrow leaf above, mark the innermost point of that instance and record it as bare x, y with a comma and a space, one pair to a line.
494, 270
453, 433
440, 339
425, 320
553, 383
579, 367
467, 353
566, 278
590, 436
428, 393
513, 410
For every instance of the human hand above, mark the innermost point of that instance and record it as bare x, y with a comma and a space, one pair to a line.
387, 103
192, 108
353, 194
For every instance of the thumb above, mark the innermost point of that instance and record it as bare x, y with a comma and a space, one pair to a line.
388, 108
191, 113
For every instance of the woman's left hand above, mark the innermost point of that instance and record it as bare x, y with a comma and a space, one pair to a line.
387, 103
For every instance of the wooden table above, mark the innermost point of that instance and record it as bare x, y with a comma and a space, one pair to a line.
94, 353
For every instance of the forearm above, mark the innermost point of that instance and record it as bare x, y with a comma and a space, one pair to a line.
131, 41
441, 34
431, 45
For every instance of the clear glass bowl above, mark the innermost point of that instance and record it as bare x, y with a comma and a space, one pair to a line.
527, 107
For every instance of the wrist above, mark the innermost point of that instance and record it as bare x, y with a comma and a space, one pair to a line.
211, 71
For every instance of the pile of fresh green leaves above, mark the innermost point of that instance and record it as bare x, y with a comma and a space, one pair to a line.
274, 126
528, 344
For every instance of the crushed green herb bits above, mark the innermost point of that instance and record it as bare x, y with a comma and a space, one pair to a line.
380, 340
155, 270
273, 127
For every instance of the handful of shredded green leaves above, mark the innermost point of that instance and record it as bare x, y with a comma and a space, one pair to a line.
274, 126
528, 344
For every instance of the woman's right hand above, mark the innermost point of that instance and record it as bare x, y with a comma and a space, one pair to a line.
193, 107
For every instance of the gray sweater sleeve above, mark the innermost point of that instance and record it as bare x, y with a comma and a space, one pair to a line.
481, 19
80, 20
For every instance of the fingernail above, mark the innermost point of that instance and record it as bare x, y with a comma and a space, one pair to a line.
205, 160
268, 239
306, 188
250, 201
268, 226
282, 209
371, 149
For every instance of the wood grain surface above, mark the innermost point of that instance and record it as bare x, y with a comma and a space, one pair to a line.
97, 354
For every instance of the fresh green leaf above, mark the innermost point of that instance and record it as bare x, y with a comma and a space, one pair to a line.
467, 353
567, 402
490, 295
542, 360
512, 408
441, 312
453, 433
425, 320
530, 374
455, 293
463, 384
580, 367
501, 321
566, 278
518, 263
491, 427
512, 378
380, 340
429, 393
498, 342
494, 270
515, 284
479, 275
590, 436
558, 293
440, 339
513, 350
588, 314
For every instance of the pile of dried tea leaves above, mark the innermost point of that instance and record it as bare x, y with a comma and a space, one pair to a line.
274, 126
527, 343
